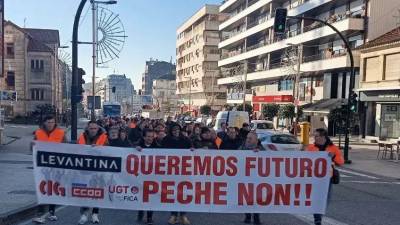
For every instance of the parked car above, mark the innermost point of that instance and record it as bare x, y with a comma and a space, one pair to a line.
278, 141
262, 125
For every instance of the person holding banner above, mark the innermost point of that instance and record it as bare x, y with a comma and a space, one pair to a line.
205, 141
323, 143
93, 135
231, 141
148, 141
253, 144
175, 140
48, 132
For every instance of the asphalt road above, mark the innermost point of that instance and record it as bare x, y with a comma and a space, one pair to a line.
360, 199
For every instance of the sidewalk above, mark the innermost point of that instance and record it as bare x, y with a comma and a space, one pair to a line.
364, 160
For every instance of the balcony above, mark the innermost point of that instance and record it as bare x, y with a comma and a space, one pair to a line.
314, 63
309, 33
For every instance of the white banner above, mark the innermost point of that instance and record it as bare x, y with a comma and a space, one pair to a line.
181, 180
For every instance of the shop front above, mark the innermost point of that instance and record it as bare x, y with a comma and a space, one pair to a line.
380, 114
259, 102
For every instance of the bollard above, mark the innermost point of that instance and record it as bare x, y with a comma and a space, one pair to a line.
305, 133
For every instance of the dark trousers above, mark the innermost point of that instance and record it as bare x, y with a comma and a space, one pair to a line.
85, 209
176, 213
256, 216
149, 215
318, 217
42, 209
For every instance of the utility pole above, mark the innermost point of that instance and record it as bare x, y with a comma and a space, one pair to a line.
190, 94
297, 86
94, 49
245, 86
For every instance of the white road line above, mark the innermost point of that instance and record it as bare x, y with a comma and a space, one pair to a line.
357, 174
344, 175
309, 219
369, 182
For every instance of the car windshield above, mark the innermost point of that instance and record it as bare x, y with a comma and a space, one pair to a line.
284, 139
265, 126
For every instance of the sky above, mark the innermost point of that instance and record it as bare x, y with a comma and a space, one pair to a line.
149, 24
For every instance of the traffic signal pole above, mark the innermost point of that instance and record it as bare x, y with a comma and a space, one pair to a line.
75, 82
352, 81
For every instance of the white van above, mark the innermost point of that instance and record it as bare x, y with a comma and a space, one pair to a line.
232, 118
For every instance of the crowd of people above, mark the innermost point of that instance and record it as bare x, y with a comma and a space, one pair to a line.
140, 133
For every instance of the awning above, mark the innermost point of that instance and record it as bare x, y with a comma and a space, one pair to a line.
324, 105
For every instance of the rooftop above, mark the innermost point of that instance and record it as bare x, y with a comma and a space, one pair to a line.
390, 37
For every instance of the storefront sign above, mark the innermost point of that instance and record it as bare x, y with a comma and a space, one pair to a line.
380, 96
273, 98
181, 179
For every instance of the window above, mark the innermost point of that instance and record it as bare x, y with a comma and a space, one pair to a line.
37, 94
10, 79
37, 65
392, 67
371, 69
319, 82
285, 85
10, 50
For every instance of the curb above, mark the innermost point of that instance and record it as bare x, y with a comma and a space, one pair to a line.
18, 215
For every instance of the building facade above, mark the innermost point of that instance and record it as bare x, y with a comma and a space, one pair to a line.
155, 69
379, 89
250, 46
197, 60
123, 89
164, 94
31, 69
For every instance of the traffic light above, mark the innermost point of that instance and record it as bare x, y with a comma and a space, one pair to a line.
81, 82
353, 102
280, 20
113, 89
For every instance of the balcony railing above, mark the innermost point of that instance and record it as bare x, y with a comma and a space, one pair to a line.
325, 55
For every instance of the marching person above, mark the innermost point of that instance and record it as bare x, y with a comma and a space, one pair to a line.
147, 141
48, 132
123, 135
205, 141
176, 140
231, 141
93, 135
323, 143
253, 144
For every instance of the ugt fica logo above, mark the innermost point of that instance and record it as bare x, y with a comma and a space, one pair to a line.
123, 193
50, 188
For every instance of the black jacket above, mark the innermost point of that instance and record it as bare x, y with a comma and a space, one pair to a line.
118, 143
172, 142
204, 144
153, 145
135, 134
229, 144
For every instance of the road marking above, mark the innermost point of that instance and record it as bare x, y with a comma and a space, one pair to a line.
309, 219
344, 175
369, 182
357, 174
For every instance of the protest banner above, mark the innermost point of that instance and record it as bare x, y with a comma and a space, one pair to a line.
182, 180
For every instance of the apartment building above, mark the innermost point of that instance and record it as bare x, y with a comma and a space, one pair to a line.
197, 57
379, 88
155, 69
164, 94
32, 69
249, 46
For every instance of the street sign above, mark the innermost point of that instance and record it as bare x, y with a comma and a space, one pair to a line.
97, 101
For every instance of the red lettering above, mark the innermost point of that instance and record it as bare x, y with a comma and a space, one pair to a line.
149, 188
203, 192
277, 162
173, 165
232, 168
246, 193
219, 166
149, 163
261, 200
264, 170
320, 169
218, 193
186, 165
160, 165
282, 194
132, 169
165, 192
181, 198
291, 167
250, 165
305, 167
202, 166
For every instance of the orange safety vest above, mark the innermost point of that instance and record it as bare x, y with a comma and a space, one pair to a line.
57, 135
337, 159
101, 140
218, 142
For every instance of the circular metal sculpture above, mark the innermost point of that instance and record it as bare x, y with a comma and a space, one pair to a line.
110, 36
65, 57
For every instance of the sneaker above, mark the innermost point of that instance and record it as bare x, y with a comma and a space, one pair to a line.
184, 220
83, 220
39, 220
52, 217
173, 220
95, 218
149, 221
